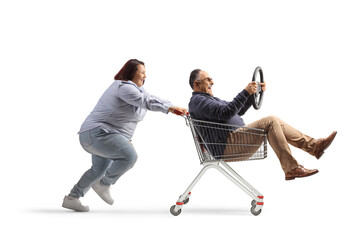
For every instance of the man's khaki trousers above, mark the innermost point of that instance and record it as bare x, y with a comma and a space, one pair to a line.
279, 135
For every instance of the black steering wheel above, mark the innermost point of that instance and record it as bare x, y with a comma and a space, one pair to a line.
258, 96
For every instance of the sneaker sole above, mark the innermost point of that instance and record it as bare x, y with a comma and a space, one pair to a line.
71, 208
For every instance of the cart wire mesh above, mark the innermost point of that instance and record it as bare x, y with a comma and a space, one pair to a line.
225, 142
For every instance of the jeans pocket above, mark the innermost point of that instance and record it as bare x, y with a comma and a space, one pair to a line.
85, 139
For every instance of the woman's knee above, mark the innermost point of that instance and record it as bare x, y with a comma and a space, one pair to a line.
132, 159
128, 159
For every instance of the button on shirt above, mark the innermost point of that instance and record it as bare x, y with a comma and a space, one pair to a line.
121, 107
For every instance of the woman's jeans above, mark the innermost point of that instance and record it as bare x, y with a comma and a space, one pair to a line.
112, 155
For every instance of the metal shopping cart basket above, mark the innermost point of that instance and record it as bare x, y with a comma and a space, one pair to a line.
218, 144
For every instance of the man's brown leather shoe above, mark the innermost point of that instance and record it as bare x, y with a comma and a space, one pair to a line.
300, 172
323, 144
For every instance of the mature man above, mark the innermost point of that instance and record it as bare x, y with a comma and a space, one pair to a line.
204, 106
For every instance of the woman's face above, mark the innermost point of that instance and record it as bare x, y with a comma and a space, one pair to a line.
139, 77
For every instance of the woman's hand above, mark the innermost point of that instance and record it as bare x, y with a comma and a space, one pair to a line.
178, 111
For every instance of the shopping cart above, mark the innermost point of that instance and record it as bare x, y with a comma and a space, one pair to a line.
218, 144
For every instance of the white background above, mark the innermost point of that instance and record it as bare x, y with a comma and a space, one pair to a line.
57, 58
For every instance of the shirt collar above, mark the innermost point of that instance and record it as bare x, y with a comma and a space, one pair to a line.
201, 93
131, 83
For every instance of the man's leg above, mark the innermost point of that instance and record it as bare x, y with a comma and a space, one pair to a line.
278, 135
242, 144
315, 147
297, 138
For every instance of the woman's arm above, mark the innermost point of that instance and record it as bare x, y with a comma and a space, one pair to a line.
139, 97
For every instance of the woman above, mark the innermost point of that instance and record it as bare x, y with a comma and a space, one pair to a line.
107, 131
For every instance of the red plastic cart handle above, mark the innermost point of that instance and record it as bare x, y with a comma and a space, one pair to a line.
177, 112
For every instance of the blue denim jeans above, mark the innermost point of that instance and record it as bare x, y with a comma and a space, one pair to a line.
112, 155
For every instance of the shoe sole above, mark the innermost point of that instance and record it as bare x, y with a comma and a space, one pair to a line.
71, 208
292, 178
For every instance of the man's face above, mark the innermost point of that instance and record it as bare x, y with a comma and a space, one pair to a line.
204, 83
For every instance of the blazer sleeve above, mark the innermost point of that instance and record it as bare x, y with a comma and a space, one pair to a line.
214, 109
246, 107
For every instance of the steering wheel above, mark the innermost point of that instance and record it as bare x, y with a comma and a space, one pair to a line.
258, 96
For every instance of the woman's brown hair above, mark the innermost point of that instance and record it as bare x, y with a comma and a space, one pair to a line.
128, 71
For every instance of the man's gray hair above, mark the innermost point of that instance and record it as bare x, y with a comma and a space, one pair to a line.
193, 76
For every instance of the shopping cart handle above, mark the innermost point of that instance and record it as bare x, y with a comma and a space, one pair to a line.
177, 112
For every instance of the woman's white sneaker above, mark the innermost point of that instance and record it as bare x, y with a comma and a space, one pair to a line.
74, 203
103, 192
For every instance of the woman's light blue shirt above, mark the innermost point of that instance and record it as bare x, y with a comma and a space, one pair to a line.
121, 107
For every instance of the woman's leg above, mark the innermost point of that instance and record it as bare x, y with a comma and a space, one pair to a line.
123, 157
106, 149
97, 170
116, 170
116, 148
122, 153
112, 156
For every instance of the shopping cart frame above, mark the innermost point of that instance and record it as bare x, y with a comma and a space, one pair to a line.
208, 160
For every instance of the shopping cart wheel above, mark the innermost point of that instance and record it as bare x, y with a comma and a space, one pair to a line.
253, 203
172, 211
252, 210
258, 96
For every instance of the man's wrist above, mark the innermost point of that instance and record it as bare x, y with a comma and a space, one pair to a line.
246, 93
